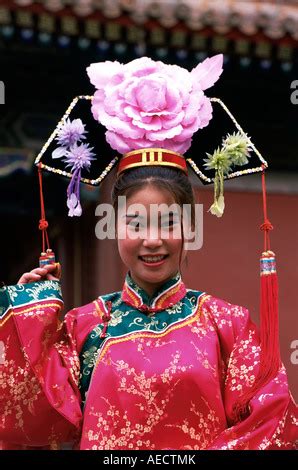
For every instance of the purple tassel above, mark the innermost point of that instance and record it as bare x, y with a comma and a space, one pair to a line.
73, 194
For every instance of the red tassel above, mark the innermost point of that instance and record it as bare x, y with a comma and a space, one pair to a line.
46, 256
269, 334
270, 360
269, 327
43, 223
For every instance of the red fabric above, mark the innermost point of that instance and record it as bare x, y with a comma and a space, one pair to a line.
173, 389
136, 159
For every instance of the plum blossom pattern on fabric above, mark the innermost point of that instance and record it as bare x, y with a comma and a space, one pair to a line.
147, 103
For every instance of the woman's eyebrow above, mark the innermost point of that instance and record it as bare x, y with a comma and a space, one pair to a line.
170, 214
162, 216
133, 215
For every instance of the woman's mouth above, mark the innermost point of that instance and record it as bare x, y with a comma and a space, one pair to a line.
153, 260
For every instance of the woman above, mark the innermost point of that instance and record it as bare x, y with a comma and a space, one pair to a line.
156, 366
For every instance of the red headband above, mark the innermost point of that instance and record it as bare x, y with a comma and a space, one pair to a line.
152, 157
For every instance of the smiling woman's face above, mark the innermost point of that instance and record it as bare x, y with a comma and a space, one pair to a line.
139, 242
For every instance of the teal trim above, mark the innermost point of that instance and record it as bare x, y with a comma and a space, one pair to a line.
5, 303
24, 294
143, 294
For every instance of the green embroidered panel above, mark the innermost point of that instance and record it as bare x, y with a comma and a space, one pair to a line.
22, 294
143, 294
4, 302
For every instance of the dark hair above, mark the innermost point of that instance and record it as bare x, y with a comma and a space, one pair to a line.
175, 181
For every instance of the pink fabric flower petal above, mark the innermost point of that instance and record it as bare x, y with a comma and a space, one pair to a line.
120, 110
129, 92
180, 76
173, 97
208, 72
97, 103
180, 147
113, 123
141, 67
164, 133
154, 125
150, 95
205, 112
117, 142
192, 110
132, 112
110, 101
168, 122
188, 132
184, 146
124, 145
100, 73
147, 103
157, 113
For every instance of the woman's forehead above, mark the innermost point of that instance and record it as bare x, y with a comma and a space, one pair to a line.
150, 193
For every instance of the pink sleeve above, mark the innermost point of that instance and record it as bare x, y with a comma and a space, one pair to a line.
40, 403
273, 419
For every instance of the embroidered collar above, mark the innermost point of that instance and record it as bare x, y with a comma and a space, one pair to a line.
168, 295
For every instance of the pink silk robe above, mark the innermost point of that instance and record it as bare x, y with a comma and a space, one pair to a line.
159, 380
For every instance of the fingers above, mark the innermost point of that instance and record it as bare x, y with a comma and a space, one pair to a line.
56, 272
38, 274
49, 267
29, 277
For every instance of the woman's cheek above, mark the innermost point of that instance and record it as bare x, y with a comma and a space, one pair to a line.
174, 243
128, 247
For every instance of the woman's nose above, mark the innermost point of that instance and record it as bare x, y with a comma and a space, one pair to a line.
152, 241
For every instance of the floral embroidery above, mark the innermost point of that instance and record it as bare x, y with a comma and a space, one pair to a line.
153, 408
160, 379
240, 373
207, 426
21, 391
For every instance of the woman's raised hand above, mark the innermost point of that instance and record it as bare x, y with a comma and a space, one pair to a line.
39, 274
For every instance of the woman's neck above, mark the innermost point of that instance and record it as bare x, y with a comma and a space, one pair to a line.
151, 288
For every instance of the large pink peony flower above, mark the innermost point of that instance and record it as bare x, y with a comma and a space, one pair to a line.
151, 104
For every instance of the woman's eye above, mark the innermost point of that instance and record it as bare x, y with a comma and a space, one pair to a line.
169, 223
135, 224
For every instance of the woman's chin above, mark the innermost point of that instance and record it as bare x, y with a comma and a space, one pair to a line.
156, 275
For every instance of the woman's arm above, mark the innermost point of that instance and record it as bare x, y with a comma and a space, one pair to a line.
272, 422
39, 365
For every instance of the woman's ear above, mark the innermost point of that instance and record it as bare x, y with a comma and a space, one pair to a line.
116, 230
186, 261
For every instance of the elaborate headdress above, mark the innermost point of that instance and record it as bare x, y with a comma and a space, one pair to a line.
151, 112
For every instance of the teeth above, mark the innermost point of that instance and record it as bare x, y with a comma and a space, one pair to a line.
152, 259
